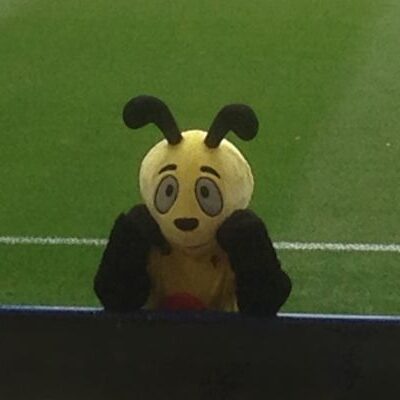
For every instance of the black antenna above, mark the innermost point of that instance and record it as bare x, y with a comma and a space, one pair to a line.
238, 118
143, 110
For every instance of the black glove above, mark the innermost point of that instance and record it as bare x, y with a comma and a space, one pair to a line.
261, 285
122, 282
139, 221
243, 235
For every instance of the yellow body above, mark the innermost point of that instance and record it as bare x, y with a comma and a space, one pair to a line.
196, 265
207, 276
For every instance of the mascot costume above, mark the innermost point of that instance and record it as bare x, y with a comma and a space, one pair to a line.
193, 244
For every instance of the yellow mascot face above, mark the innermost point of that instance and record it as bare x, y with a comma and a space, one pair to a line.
192, 181
190, 189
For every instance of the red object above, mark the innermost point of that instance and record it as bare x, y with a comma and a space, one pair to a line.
182, 301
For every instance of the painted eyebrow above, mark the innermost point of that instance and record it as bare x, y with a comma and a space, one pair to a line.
169, 167
206, 168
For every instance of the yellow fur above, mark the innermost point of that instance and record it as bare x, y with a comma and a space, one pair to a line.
236, 184
207, 276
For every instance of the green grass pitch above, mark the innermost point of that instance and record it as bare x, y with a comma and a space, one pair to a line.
323, 77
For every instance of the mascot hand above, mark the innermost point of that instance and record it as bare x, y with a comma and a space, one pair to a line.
122, 282
261, 285
241, 232
138, 221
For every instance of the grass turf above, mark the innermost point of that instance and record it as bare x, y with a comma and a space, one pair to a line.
51, 276
322, 77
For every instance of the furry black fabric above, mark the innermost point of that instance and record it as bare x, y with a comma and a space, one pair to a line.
122, 283
238, 118
143, 110
261, 285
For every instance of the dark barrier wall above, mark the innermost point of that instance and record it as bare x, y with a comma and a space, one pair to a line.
84, 354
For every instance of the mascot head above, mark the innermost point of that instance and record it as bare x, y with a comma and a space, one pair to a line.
192, 181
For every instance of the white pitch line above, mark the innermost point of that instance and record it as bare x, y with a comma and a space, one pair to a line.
66, 241
295, 246
365, 247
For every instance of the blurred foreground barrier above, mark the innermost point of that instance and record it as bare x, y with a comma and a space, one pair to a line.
67, 353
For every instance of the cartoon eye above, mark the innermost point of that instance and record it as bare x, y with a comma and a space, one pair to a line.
166, 194
209, 196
